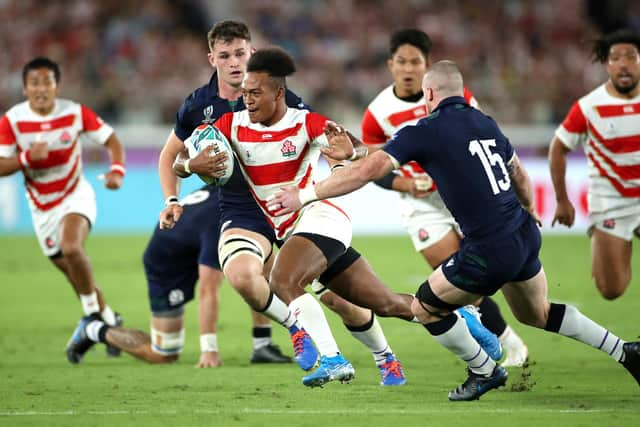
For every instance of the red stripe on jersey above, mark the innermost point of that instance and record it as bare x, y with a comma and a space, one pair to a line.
54, 186
468, 95
45, 126
282, 228
52, 204
396, 119
337, 207
7, 137
305, 178
625, 172
372, 132
55, 158
90, 120
314, 123
624, 144
624, 192
618, 110
275, 173
224, 124
575, 122
246, 134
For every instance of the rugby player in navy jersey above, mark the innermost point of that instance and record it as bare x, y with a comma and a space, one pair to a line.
489, 194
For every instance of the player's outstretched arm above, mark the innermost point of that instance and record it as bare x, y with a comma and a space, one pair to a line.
208, 307
522, 186
168, 154
9, 165
342, 181
565, 212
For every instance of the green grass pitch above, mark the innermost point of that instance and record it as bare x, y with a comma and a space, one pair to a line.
567, 383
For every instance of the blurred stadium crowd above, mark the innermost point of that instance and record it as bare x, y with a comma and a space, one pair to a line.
134, 61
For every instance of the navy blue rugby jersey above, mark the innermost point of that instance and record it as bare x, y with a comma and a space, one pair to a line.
204, 106
466, 154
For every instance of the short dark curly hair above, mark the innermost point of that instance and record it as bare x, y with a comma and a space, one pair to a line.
601, 46
274, 61
413, 37
41, 62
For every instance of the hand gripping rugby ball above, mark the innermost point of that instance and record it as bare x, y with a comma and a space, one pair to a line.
204, 136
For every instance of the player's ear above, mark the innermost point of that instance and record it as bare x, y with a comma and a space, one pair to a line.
390, 63
212, 59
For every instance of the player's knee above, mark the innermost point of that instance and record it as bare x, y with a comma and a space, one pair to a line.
234, 246
613, 287
71, 249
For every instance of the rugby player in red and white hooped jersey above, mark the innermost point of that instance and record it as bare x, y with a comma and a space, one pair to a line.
606, 122
276, 146
433, 230
40, 137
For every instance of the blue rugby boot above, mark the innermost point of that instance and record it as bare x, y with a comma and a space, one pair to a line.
487, 339
476, 385
305, 352
79, 343
330, 369
391, 371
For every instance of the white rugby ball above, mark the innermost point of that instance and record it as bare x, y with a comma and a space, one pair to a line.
207, 135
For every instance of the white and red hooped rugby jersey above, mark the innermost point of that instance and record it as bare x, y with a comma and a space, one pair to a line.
285, 153
49, 181
387, 114
609, 129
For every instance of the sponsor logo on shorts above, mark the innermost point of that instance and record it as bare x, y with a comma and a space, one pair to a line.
609, 223
450, 263
288, 149
49, 242
176, 296
423, 235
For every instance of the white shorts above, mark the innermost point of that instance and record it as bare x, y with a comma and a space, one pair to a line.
623, 227
427, 220
325, 218
47, 224
618, 216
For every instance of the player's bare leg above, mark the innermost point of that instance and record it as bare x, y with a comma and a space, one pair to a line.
210, 280
610, 263
361, 286
242, 255
529, 303
438, 253
298, 262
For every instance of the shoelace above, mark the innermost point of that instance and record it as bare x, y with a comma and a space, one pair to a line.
393, 368
298, 341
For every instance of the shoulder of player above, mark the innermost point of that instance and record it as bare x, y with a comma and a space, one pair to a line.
293, 100
384, 100
596, 96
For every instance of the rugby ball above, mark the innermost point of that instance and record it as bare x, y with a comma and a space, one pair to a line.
207, 135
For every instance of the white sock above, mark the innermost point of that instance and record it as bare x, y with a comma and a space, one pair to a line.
108, 316
459, 341
309, 314
375, 341
93, 330
277, 310
90, 303
579, 327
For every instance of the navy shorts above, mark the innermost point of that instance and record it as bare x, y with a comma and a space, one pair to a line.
483, 267
172, 256
240, 210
